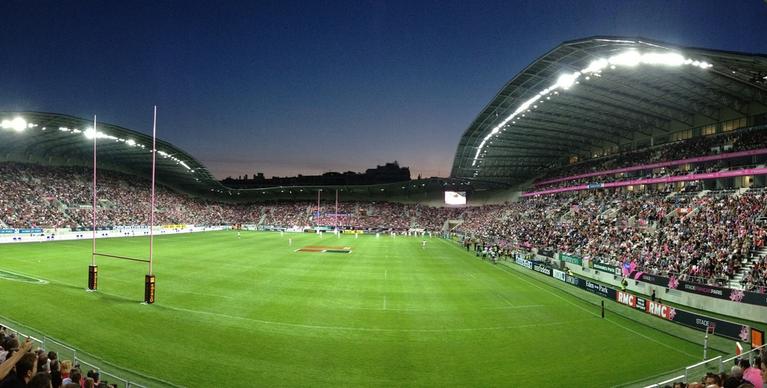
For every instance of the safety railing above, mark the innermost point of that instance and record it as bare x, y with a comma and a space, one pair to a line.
66, 352
712, 365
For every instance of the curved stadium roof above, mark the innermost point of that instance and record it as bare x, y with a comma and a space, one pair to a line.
63, 140
582, 95
56, 139
605, 91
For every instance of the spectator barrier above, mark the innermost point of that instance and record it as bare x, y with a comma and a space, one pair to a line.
110, 373
722, 328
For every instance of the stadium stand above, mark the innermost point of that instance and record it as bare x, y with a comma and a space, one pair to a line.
707, 238
627, 125
672, 158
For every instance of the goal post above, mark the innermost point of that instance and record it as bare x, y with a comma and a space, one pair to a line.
149, 279
93, 270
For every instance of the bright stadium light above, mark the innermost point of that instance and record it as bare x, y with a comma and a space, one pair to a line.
626, 59
18, 124
90, 134
596, 66
565, 81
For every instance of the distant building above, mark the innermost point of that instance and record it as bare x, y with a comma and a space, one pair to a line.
388, 173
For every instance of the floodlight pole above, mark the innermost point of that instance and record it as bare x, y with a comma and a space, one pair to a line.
149, 280
93, 269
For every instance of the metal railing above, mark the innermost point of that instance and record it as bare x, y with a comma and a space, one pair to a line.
716, 365
67, 352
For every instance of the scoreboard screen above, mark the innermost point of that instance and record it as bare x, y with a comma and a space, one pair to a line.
455, 198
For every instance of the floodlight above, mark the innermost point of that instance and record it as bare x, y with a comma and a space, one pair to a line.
90, 134
18, 124
628, 58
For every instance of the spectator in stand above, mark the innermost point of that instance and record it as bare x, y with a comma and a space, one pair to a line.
712, 380
9, 343
735, 379
26, 367
55, 369
66, 369
92, 374
40, 380
74, 380
752, 374
16, 354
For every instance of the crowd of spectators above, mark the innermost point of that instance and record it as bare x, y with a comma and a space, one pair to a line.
756, 277
20, 366
704, 240
661, 172
743, 374
61, 197
695, 147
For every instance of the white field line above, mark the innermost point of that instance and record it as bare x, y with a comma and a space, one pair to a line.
36, 280
199, 293
505, 299
597, 315
511, 306
371, 329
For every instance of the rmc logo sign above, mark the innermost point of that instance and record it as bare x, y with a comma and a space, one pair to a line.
661, 310
626, 298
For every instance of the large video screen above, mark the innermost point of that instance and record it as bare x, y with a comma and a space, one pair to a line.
455, 198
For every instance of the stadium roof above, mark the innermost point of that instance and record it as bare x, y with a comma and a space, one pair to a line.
56, 139
605, 91
63, 140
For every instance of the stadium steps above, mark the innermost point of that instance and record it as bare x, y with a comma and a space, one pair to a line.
748, 264
610, 213
451, 225
761, 218
738, 193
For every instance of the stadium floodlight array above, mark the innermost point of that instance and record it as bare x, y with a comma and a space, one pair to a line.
19, 124
627, 59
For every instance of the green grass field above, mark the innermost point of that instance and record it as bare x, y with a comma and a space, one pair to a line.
253, 312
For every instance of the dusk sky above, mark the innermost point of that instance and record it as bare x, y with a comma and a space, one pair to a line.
307, 87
